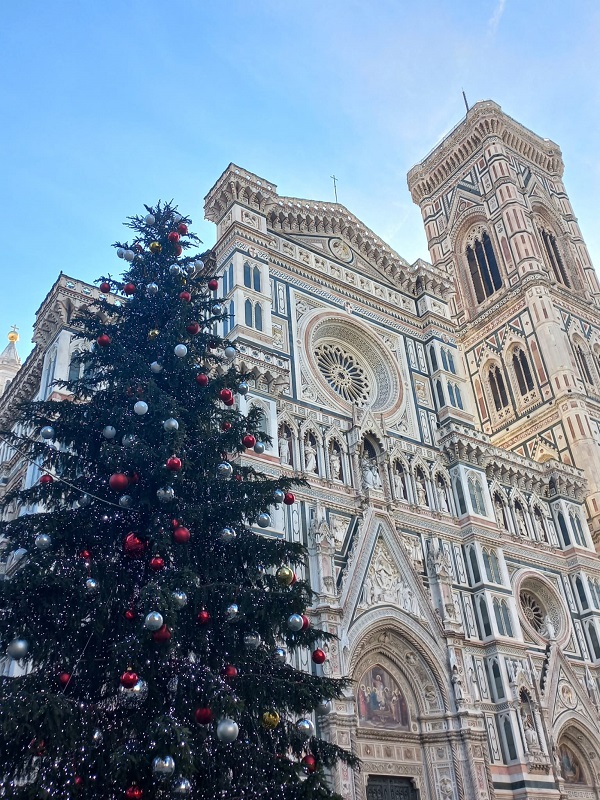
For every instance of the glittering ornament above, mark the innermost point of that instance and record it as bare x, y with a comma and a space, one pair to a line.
193, 328
92, 585
179, 598
103, 340
203, 716
134, 793
270, 720
230, 671
180, 350
181, 787
149, 219
173, 237
324, 707
289, 498
129, 289
263, 520
166, 494
97, 736
157, 563
229, 352
217, 309
181, 535
259, 448
227, 730
285, 576
177, 217
126, 501
310, 763
43, 541
185, 297
279, 655
118, 482
128, 255
224, 470
174, 269
319, 656
202, 379
171, 425
155, 247
140, 408
227, 534
47, 432
134, 696
203, 617
305, 727
109, 432
163, 767
294, 623
105, 287
129, 678
17, 649
213, 284
248, 440
173, 464
232, 611
133, 546
252, 640
156, 368
46, 479
152, 288
162, 635
153, 621
154, 333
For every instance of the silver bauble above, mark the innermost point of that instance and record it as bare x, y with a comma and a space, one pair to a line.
155, 367
181, 788
140, 408
109, 432
43, 541
97, 736
163, 767
175, 269
263, 520
92, 585
84, 500
180, 350
47, 432
217, 309
227, 534
179, 598
17, 649
252, 640
177, 217
259, 448
227, 730
129, 440
154, 621
278, 496
149, 219
128, 255
279, 655
152, 288
295, 623
120, 252
171, 424
224, 470
229, 352
198, 263
232, 611
126, 501
324, 707
165, 494
243, 388
134, 697
305, 727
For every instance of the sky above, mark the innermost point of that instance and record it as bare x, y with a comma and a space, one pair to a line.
107, 106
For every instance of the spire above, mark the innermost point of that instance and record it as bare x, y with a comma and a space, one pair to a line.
9, 356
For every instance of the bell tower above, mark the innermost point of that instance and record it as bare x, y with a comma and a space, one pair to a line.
526, 297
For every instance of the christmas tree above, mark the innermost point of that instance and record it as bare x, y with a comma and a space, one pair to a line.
153, 625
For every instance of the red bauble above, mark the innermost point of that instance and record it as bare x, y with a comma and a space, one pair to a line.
85, 554
105, 287
225, 395
185, 297
103, 340
226, 426
181, 535
213, 284
46, 479
249, 440
174, 523
133, 546
229, 402
130, 615
134, 793
305, 622
193, 328
137, 248
203, 617
204, 716
64, 678
78, 780
129, 679
134, 477
182, 228
229, 671
289, 498
162, 634
129, 288
173, 464
319, 656
157, 563
310, 762
173, 236
118, 482
202, 379
178, 249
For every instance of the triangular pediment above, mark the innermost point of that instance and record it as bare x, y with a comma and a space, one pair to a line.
465, 197
335, 248
565, 695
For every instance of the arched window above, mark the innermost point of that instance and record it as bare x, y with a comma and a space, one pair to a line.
451, 394
496, 679
476, 495
248, 313
511, 750
577, 529
474, 565
460, 495
582, 363
433, 358
502, 616
75, 369
486, 628
595, 643
522, 371
256, 279
440, 393
451, 366
563, 529
581, 592
554, 257
459, 401
258, 320
231, 315
492, 567
594, 591
498, 387
225, 283
247, 275
483, 267
444, 359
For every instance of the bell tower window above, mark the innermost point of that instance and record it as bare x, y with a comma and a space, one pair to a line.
582, 363
498, 388
483, 267
522, 371
554, 257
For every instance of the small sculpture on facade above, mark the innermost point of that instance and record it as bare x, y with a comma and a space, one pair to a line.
310, 456
398, 481
370, 475
442, 498
421, 493
335, 464
284, 448
548, 631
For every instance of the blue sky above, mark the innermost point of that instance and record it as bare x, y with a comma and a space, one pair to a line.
110, 105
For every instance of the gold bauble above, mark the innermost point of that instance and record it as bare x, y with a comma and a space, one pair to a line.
285, 576
153, 333
155, 247
270, 720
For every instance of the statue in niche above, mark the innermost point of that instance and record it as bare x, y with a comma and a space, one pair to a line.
521, 524
539, 527
382, 582
381, 702
284, 447
442, 497
370, 475
421, 492
398, 481
340, 526
414, 550
530, 734
310, 455
499, 512
335, 464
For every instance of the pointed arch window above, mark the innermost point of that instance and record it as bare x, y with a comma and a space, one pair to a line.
582, 363
581, 592
492, 567
498, 387
486, 627
459, 401
451, 394
483, 267
433, 357
451, 366
440, 393
522, 371
502, 616
554, 257
594, 641
563, 529
256, 279
247, 275
444, 359
474, 565
577, 529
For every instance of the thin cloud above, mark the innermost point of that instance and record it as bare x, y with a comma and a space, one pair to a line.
496, 16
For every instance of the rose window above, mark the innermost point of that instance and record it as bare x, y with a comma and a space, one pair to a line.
533, 611
343, 373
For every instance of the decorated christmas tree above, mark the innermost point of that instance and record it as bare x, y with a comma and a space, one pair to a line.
153, 625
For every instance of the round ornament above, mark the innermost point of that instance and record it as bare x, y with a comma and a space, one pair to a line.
319, 656
163, 767
181, 788
149, 219
305, 622
213, 284
155, 367
97, 736
181, 535
227, 730
133, 546
47, 432
174, 269
134, 793
140, 408
103, 340
324, 707
162, 635
182, 229
126, 501
227, 535
152, 288
225, 395
109, 432
154, 333
128, 255
179, 598
263, 520
171, 425
289, 498
155, 247
173, 237
64, 678
203, 716
193, 328
278, 496
310, 763
118, 482
229, 352
85, 555
279, 655
295, 622
130, 614
226, 426
243, 388
134, 696
92, 585
129, 289
43, 541
84, 500
198, 263
259, 448
180, 350
17, 649
305, 728
232, 611
285, 576
157, 563
202, 379
177, 217
270, 720
217, 309
230, 671
203, 617
46, 479
185, 297
252, 640
248, 440
224, 470
105, 287
129, 679
153, 621
120, 252
173, 464
166, 494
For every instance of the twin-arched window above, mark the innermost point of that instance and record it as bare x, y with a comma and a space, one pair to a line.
582, 363
522, 371
251, 277
498, 387
253, 315
502, 615
554, 257
483, 267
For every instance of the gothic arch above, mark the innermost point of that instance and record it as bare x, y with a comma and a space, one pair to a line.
576, 744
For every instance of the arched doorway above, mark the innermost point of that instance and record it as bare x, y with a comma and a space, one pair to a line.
572, 759
384, 788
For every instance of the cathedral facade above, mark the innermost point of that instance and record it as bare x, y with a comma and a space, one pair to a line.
446, 416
